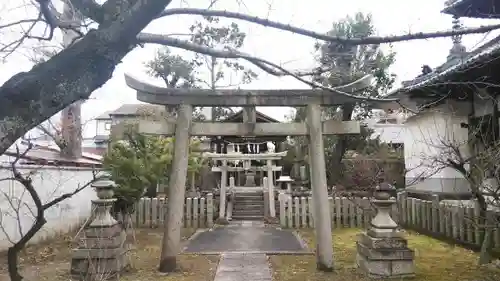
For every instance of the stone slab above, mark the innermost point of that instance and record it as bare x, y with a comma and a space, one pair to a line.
384, 254
385, 233
380, 243
107, 231
241, 238
243, 267
82, 267
386, 269
99, 253
104, 242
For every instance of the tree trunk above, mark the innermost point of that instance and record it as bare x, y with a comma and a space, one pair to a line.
71, 130
193, 182
485, 255
484, 220
71, 123
29, 98
340, 147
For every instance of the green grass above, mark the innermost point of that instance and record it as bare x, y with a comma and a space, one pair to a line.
50, 260
434, 261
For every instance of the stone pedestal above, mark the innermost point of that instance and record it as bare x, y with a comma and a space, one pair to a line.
102, 249
382, 251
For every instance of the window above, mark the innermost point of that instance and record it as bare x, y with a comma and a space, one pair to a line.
107, 126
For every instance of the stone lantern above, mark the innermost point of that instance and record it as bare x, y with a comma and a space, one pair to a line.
382, 251
102, 250
104, 190
286, 181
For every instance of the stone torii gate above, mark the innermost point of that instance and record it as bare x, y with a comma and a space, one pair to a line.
183, 127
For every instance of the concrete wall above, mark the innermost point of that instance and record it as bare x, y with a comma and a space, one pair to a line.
423, 140
50, 182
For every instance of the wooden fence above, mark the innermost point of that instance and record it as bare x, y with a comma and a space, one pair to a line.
345, 212
198, 212
457, 223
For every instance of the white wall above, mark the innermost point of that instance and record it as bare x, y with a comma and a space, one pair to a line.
389, 133
423, 141
50, 182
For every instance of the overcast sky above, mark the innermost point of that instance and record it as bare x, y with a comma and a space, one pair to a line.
290, 50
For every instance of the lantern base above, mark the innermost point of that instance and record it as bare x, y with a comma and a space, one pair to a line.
387, 257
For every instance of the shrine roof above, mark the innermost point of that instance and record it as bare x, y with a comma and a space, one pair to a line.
482, 57
472, 8
261, 117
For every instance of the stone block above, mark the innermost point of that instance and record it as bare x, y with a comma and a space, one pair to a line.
386, 269
103, 253
100, 232
385, 253
103, 242
385, 233
88, 267
374, 267
380, 243
403, 268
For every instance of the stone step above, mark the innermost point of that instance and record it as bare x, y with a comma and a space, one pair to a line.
248, 196
247, 218
248, 207
248, 214
249, 202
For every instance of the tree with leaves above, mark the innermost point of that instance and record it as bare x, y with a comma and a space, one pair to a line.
138, 163
216, 36
176, 72
343, 63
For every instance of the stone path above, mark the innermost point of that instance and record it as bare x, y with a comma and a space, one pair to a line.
243, 267
246, 237
243, 246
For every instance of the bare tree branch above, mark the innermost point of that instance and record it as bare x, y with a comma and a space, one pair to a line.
325, 37
38, 212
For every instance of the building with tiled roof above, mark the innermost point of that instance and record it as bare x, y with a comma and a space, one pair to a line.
449, 101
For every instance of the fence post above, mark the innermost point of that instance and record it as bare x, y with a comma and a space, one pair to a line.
310, 208
210, 210
296, 203
413, 212
338, 212
203, 222
401, 199
330, 205
189, 207
147, 211
303, 204
154, 212
281, 198
195, 212
434, 213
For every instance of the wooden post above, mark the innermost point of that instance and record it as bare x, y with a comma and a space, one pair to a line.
230, 204
223, 180
270, 186
434, 213
322, 222
282, 199
210, 210
176, 192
